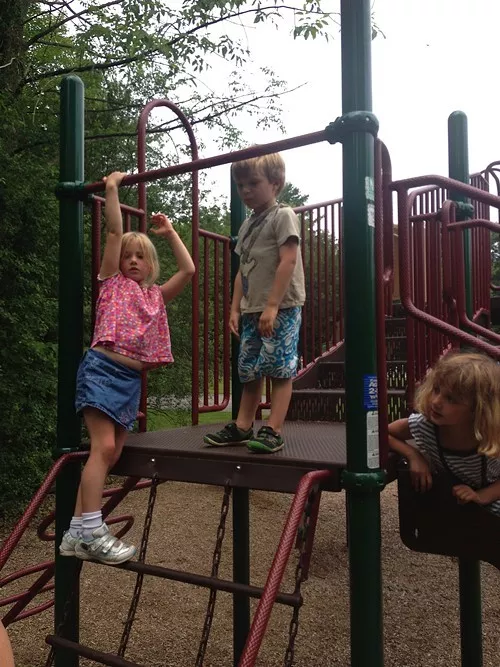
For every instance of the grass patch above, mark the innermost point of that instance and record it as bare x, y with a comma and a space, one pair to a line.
159, 420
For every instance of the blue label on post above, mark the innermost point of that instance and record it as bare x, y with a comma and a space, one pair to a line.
370, 392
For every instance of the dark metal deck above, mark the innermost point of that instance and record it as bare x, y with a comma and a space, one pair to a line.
179, 454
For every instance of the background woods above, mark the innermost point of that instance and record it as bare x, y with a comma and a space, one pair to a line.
127, 52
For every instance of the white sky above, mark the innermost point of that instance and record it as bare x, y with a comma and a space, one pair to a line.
438, 56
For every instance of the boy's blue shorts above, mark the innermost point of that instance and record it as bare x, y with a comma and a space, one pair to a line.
108, 386
273, 356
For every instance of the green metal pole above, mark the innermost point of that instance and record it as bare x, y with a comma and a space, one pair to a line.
458, 168
241, 503
363, 478
469, 571
70, 351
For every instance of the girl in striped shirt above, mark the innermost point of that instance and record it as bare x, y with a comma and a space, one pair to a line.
456, 429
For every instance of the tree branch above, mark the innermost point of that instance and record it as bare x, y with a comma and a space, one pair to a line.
55, 26
149, 52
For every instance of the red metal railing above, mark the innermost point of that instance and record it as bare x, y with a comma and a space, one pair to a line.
321, 248
215, 371
430, 291
20, 601
322, 321
277, 570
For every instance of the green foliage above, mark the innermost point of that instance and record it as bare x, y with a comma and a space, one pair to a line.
127, 52
292, 196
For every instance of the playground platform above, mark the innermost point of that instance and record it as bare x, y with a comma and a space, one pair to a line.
179, 454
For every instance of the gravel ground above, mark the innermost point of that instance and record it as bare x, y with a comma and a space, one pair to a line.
420, 591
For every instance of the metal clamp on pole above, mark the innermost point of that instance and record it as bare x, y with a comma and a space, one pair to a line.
363, 481
72, 190
353, 121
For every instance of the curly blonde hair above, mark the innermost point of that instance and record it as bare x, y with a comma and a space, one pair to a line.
272, 166
148, 250
474, 379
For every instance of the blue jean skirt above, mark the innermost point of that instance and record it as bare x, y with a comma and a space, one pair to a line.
108, 386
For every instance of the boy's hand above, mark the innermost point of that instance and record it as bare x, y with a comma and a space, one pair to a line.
267, 320
161, 224
234, 323
420, 472
114, 179
464, 494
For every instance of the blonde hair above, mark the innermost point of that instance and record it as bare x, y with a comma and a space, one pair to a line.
471, 378
148, 250
272, 166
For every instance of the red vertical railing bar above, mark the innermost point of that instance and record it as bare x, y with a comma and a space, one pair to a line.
325, 279
381, 350
216, 323
321, 334
388, 231
225, 318
312, 314
419, 295
333, 280
341, 271
406, 283
305, 309
206, 327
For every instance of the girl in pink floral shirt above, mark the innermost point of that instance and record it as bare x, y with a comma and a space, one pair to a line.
131, 335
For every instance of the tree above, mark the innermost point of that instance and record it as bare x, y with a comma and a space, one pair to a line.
127, 52
292, 196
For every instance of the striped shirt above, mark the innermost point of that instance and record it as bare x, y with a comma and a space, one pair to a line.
469, 468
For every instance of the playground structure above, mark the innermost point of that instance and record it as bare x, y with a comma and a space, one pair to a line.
353, 337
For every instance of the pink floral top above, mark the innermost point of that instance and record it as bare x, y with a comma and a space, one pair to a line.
132, 320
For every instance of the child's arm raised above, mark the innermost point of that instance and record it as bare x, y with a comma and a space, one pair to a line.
399, 433
114, 226
175, 285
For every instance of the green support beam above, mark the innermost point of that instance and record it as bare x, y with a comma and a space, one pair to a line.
70, 351
363, 479
458, 168
469, 571
241, 502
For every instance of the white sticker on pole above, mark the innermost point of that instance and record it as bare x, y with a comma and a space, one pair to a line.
369, 188
370, 400
370, 200
372, 440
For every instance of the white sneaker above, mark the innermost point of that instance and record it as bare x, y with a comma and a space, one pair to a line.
104, 547
68, 544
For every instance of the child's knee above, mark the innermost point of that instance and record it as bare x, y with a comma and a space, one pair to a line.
105, 449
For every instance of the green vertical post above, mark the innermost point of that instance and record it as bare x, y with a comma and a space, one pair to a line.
363, 479
469, 571
70, 349
458, 168
241, 505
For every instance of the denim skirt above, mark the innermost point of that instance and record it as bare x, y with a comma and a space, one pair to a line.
109, 386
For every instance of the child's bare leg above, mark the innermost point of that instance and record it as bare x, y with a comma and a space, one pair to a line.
106, 443
6, 657
102, 450
280, 400
120, 435
250, 399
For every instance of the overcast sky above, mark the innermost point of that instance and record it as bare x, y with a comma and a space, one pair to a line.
438, 56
